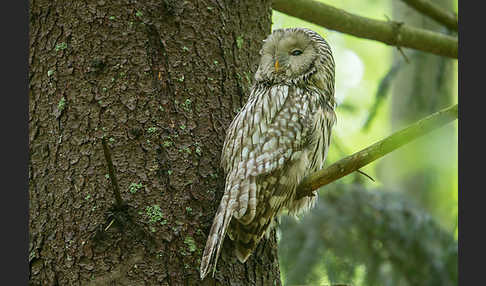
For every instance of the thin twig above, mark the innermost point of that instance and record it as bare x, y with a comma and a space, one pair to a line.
391, 33
359, 159
434, 11
111, 172
364, 174
403, 55
396, 31
111, 222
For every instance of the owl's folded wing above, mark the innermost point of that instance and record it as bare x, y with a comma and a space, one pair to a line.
269, 130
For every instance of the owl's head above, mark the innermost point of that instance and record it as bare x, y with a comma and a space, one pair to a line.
295, 55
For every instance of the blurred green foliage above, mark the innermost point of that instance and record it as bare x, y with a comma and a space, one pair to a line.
354, 229
342, 241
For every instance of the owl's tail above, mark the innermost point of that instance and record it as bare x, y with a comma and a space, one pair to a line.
247, 236
245, 244
216, 235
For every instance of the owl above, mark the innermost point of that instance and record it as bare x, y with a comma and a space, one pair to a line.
281, 135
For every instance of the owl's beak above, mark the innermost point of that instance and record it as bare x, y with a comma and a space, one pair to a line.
276, 66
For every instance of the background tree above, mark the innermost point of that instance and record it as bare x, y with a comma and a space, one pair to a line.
397, 238
423, 85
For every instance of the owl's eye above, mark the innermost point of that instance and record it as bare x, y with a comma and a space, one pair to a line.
296, 53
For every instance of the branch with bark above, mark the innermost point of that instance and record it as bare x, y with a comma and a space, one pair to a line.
432, 10
389, 32
359, 159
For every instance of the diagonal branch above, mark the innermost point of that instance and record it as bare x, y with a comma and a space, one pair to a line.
359, 159
428, 8
388, 32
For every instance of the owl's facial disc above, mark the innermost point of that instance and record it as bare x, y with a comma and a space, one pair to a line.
293, 54
292, 59
286, 55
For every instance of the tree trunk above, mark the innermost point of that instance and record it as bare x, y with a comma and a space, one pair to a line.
160, 81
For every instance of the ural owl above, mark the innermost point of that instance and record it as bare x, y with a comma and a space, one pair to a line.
281, 135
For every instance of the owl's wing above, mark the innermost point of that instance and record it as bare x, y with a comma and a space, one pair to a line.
261, 139
263, 105
266, 133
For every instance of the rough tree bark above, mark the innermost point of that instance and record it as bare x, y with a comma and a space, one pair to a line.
161, 81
